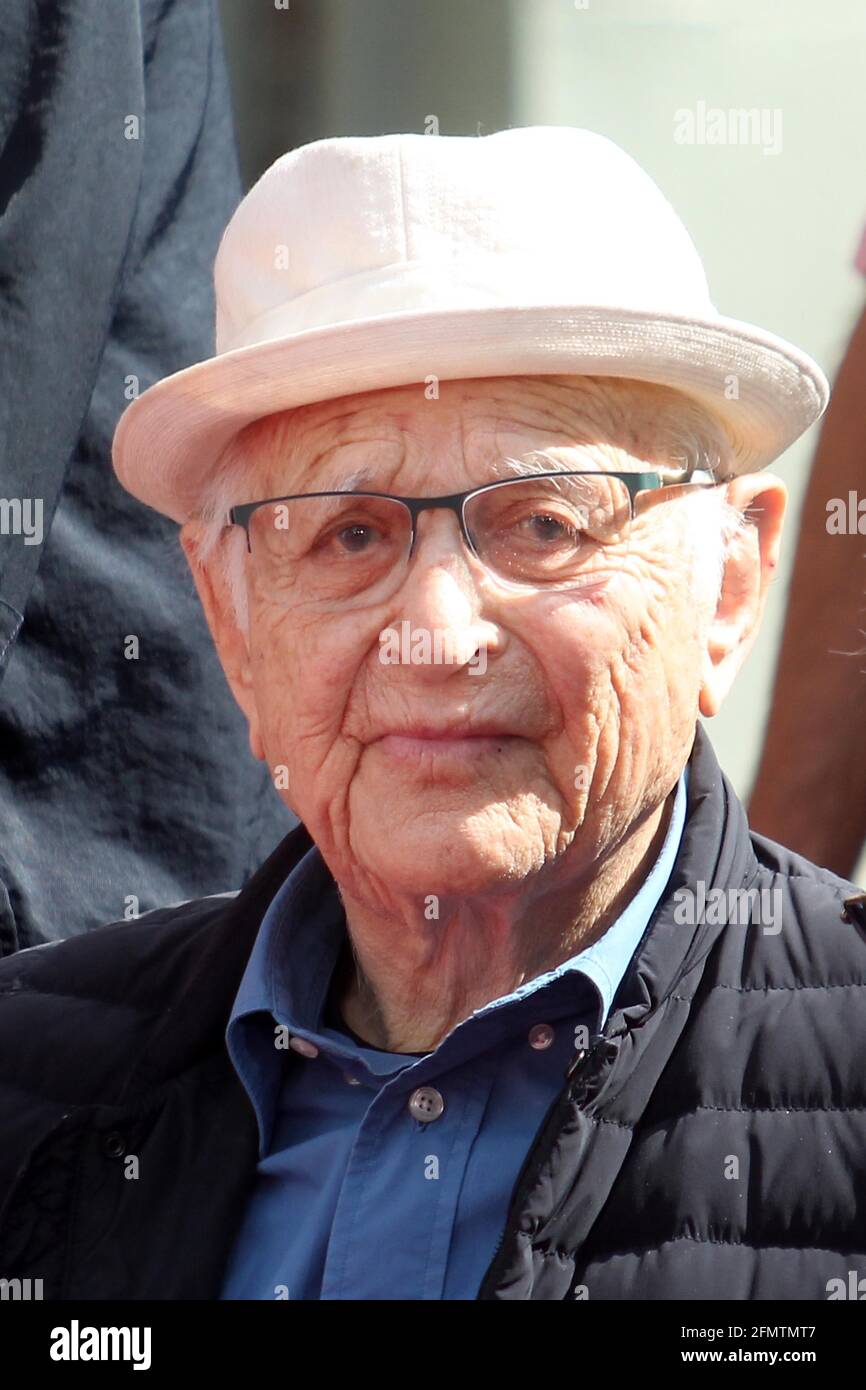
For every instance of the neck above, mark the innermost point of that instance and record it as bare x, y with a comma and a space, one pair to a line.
407, 982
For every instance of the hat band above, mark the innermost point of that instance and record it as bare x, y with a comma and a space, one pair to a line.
467, 282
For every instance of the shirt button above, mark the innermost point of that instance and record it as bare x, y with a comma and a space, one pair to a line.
306, 1049
350, 1079
426, 1104
541, 1036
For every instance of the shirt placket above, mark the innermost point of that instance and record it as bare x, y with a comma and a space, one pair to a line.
398, 1202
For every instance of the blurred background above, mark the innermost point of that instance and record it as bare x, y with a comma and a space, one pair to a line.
778, 223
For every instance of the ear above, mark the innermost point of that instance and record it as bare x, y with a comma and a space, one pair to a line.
230, 641
750, 566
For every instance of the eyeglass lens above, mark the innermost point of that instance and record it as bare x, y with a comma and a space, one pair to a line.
543, 532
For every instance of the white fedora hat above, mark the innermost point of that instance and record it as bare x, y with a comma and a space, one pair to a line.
360, 263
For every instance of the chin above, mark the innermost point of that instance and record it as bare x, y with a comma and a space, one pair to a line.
458, 853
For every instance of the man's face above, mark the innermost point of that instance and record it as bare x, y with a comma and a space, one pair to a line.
585, 700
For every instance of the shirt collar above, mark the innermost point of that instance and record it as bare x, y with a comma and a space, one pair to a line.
296, 948
606, 960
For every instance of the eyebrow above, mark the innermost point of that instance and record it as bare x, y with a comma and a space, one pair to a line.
541, 461
346, 482
535, 461
538, 461
349, 482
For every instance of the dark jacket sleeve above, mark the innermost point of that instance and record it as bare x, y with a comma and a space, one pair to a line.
125, 784
71, 73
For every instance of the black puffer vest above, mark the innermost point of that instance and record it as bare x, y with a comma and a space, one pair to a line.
709, 1144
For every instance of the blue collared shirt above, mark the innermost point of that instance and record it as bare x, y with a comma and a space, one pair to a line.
353, 1196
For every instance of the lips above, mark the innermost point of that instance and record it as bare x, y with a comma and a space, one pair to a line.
457, 730
449, 750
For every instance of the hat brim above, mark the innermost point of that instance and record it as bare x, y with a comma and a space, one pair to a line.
764, 389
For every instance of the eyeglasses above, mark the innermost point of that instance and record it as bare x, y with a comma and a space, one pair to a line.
545, 531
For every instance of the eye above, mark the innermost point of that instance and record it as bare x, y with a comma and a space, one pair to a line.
544, 526
348, 536
357, 537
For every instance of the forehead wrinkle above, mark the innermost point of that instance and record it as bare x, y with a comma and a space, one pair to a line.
291, 472
312, 472
567, 411
396, 440
608, 414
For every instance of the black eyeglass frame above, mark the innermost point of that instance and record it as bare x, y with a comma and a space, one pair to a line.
456, 501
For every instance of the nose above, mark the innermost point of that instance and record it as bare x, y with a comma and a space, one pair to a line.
441, 603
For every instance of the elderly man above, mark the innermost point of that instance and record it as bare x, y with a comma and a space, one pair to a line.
472, 494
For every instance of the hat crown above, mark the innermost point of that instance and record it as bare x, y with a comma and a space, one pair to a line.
365, 263
358, 227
